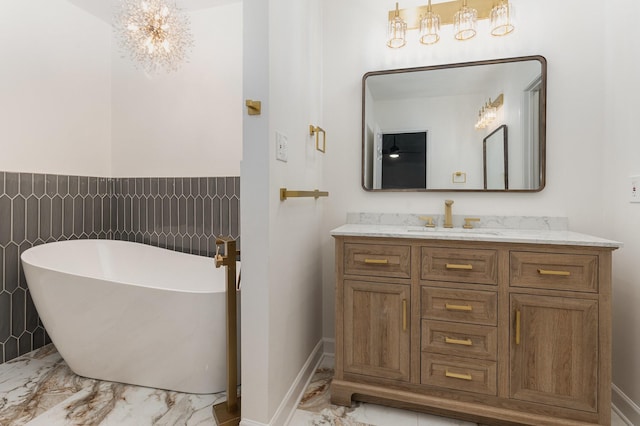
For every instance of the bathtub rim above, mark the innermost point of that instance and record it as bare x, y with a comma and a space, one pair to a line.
27, 257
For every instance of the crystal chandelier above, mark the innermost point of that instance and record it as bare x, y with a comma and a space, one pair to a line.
155, 34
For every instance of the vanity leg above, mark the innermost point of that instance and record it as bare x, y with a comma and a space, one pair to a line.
340, 395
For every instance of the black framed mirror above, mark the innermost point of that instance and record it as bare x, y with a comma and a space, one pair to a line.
436, 120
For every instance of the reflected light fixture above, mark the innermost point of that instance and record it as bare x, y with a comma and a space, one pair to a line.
155, 33
394, 151
489, 112
429, 26
397, 33
462, 15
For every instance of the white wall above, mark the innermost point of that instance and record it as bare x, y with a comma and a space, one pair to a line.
188, 122
575, 119
620, 151
56, 89
282, 268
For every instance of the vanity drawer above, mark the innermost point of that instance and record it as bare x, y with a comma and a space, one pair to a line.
557, 271
459, 265
377, 260
466, 340
470, 306
472, 375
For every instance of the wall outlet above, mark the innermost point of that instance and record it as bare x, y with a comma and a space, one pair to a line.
634, 189
282, 147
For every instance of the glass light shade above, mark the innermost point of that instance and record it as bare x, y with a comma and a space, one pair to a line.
479, 124
501, 18
430, 28
397, 35
491, 114
464, 23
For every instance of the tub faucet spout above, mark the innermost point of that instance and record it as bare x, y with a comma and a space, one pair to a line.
448, 222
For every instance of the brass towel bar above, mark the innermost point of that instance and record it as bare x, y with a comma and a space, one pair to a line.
285, 193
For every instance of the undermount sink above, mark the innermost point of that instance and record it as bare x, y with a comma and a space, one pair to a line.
455, 231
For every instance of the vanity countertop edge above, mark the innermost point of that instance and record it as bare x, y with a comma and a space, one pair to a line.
528, 236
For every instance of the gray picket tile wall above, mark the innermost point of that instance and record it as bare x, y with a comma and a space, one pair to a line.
183, 214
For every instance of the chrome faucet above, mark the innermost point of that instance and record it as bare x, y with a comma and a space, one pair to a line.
448, 222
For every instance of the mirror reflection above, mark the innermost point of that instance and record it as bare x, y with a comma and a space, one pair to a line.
444, 128
496, 159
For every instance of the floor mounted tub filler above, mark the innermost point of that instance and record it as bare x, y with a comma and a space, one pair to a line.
132, 313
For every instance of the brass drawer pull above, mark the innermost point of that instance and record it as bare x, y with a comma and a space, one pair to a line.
467, 267
377, 261
464, 342
550, 272
404, 314
447, 373
517, 327
465, 308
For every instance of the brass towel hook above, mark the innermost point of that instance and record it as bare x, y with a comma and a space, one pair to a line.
315, 130
253, 107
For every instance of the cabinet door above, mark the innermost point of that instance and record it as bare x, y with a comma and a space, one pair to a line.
377, 329
554, 351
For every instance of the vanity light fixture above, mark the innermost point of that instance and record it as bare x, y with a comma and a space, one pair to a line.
397, 33
429, 26
489, 112
154, 32
464, 22
502, 19
461, 14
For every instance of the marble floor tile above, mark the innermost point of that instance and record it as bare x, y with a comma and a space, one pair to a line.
315, 409
38, 389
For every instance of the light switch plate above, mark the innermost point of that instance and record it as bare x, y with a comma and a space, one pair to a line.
282, 146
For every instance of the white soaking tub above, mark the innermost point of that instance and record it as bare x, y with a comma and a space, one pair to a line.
132, 313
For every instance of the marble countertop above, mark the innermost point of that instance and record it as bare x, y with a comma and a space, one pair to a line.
503, 235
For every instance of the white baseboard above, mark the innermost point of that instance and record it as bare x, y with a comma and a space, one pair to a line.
624, 406
287, 408
292, 398
245, 422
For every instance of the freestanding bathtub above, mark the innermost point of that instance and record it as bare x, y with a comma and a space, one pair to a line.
132, 313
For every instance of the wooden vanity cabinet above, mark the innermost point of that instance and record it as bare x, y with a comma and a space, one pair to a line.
554, 356
497, 333
376, 325
376, 302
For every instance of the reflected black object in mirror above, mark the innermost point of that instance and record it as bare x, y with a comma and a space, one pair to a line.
496, 159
